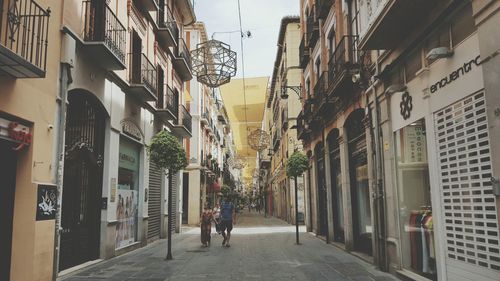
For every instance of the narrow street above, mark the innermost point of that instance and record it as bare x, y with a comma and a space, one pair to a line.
261, 249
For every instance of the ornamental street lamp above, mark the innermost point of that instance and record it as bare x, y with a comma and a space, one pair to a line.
213, 63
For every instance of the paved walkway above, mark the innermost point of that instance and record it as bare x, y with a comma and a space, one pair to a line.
261, 249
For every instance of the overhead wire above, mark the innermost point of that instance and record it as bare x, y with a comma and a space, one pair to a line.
243, 73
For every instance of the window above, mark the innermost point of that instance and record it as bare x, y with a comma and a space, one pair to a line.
462, 25
308, 88
413, 64
331, 42
439, 39
318, 68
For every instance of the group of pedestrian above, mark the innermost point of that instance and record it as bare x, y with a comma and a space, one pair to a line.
223, 216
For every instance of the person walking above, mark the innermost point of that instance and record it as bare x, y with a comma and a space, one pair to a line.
216, 213
206, 226
227, 219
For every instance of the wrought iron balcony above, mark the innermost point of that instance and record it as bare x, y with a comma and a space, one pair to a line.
303, 53
147, 5
312, 30
167, 29
204, 117
104, 37
167, 106
284, 118
183, 127
323, 8
142, 78
301, 128
182, 61
24, 29
276, 140
343, 64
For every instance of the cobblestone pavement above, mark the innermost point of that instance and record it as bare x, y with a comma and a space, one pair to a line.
261, 249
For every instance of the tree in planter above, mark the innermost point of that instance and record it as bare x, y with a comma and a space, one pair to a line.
166, 152
296, 165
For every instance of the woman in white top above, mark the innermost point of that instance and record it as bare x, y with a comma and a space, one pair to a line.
216, 213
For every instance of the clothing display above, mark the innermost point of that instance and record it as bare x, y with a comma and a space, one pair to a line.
422, 242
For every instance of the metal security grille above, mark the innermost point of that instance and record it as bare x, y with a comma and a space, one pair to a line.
469, 207
154, 202
175, 182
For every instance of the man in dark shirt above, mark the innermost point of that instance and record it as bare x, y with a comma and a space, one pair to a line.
227, 217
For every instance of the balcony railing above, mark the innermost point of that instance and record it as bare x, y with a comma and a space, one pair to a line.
184, 123
168, 105
303, 53
182, 61
147, 5
344, 60
312, 30
276, 139
142, 77
168, 32
24, 28
323, 8
104, 35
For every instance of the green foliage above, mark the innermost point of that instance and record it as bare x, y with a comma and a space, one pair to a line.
296, 165
167, 152
225, 190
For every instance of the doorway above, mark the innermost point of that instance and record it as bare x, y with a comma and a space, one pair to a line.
8, 167
360, 193
185, 198
336, 182
82, 189
319, 152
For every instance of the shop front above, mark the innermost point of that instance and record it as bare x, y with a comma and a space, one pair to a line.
13, 138
336, 187
447, 211
127, 193
321, 209
358, 172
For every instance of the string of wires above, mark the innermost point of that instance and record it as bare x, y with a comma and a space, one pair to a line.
243, 75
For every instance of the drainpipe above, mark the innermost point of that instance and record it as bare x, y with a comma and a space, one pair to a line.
379, 196
64, 80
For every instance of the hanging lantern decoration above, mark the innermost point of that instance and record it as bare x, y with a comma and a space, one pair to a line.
259, 140
213, 63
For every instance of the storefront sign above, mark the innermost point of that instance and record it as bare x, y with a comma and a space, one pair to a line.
464, 69
131, 129
406, 105
15, 132
46, 204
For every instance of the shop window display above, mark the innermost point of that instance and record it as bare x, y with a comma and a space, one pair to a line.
415, 210
128, 194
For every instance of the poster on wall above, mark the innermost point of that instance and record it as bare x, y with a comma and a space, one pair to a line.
126, 209
127, 194
46, 203
415, 150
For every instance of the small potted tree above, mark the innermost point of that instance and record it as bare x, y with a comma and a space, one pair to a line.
167, 153
296, 165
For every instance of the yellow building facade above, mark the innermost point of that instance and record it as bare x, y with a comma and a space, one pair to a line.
28, 133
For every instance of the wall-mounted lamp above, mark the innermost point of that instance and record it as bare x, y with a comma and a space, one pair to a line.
284, 94
439, 53
395, 88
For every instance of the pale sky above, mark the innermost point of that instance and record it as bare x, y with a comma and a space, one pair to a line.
261, 17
